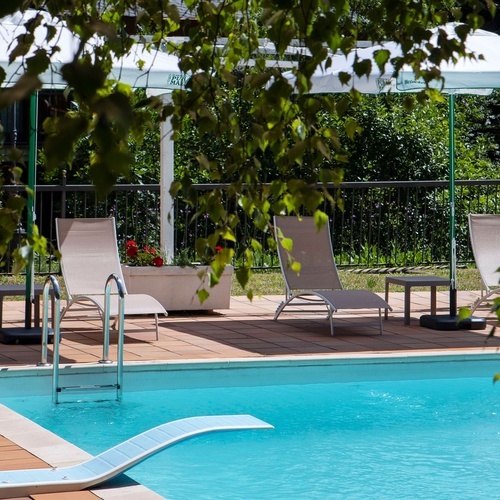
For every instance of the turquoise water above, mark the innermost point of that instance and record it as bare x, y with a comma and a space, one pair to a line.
432, 439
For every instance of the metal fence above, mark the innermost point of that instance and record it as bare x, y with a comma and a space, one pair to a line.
383, 224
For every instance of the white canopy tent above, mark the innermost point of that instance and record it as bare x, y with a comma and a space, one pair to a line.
477, 75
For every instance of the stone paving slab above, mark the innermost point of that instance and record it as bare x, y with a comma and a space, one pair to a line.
247, 330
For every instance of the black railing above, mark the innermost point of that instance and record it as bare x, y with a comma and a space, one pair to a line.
382, 224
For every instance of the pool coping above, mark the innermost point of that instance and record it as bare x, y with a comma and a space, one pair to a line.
274, 361
56, 451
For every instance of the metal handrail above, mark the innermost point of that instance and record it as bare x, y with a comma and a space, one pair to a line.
51, 282
121, 321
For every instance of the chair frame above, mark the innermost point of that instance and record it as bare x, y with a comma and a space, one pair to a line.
330, 291
490, 223
96, 297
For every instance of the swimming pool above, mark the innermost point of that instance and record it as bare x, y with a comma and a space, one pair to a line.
372, 428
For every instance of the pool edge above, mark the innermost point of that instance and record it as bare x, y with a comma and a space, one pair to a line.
58, 452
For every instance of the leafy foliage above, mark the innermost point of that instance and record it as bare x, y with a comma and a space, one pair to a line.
220, 55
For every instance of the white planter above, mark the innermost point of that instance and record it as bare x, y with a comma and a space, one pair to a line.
176, 287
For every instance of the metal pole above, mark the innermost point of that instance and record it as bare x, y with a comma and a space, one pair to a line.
121, 340
107, 307
453, 242
32, 159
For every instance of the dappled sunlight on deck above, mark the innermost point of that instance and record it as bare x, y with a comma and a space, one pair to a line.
247, 330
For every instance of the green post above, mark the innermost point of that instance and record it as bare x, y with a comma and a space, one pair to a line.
32, 159
453, 243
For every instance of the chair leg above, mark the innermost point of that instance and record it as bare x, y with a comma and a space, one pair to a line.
330, 317
156, 325
380, 319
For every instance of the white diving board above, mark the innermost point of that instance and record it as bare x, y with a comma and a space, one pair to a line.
17, 483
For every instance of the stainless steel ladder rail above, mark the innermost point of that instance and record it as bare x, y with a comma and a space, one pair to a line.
56, 388
51, 281
121, 323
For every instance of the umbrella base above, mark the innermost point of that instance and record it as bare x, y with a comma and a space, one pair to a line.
20, 335
447, 322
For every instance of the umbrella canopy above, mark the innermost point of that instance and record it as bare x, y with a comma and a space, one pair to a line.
140, 68
327, 80
476, 75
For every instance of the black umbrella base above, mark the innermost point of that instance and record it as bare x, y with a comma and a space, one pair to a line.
447, 322
20, 335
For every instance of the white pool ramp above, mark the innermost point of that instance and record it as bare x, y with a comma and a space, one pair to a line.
17, 483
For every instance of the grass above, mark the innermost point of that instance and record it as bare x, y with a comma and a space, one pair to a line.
270, 282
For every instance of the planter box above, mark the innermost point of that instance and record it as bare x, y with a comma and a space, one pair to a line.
176, 287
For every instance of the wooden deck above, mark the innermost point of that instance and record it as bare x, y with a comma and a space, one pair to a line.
248, 330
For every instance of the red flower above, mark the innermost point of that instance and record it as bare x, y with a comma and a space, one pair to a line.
145, 256
157, 262
131, 249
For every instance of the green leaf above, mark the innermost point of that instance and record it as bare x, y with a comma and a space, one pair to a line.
38, 63
351, 128
85, 78
202, 295
242, 275
362, 68
464, 313
10, 6
287, 244
61, 136
320, 219
381, 58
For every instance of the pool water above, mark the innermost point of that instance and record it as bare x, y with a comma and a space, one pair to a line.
437, 438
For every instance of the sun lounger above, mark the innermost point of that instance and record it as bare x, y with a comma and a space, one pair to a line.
318, 279
18, 483
89, 256
485, 239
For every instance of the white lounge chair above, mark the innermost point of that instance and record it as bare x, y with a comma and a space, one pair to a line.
318, 279
21, 483
89, 255
484, 233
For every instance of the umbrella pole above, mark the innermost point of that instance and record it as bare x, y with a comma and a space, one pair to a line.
31, 203
28, 334
450, 321
453, 241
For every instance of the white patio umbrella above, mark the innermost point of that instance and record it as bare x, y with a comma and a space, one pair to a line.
477, 76
140, 68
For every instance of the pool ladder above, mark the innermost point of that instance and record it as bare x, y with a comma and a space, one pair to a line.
51, 282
